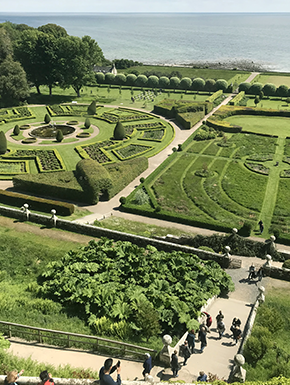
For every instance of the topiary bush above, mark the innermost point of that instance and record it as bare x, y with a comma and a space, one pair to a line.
119, 132
59, 136
47, 118
92, 108
123, 200
16, 130
142, 180
245, 230
87, 123
3, 143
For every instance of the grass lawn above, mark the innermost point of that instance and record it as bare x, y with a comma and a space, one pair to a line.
275, 103
277, 80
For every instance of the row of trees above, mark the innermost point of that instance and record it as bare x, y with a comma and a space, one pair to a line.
49, 56
197, 84
268, 89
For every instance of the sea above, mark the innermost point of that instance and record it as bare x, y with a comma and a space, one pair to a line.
221, 39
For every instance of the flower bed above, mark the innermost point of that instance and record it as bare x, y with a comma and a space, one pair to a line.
114, 118
257, 167
13, 167
24, 127
28, 140
84, 135
142, 126
96, 151
131, 151
157, 135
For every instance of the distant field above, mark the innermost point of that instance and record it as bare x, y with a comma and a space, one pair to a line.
275, 79
204, 73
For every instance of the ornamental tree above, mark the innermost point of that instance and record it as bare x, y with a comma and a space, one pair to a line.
221, 84
164, 82
87, 123
198, 84
131, 79
92, 108
59, 136
109, 78
174, 82
3, 143
153, 81
256, 88
100, 77
185, 83
269, 89
120, 79
209, 85
16, 130
282, 91
47, 118
119, 132
141, 81
245, 87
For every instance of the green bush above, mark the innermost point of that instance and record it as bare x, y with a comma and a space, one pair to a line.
257, 346
3, 143
47, 118
286, 264
141, 198
94, 179
236, 100
87, 123
92, 108
119, 132
35, 203
214, 96
245, 230
122, 200
16, 130
59, 136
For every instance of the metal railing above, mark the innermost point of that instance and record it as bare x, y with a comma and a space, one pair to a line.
69, 340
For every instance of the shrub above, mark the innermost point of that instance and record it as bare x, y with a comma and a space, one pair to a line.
94, 179
255, 88
122, 200
245, 230
214, 96
59, 136
141, 81
164, 82
131, 79
236, 100
35, 203
119, 132
258, 344
174, 82
3, 143
100, 77
120, 79
16, 130
269, 89
221, 84
92, 108
109, 78
245, 87
153, 81
209, 85
185, 83
142, 180
286, 264
47, 118
141, 198
87, 123
197, 84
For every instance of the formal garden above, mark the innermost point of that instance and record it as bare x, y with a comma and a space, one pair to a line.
232, 172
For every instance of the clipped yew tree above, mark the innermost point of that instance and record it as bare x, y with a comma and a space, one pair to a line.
87, 123
119, 132
92, 108
47, 118
16, 130
3, 143
59, 136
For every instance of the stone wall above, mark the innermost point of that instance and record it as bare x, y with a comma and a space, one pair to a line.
98, 232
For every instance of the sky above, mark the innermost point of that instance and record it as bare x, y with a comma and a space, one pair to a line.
115, 6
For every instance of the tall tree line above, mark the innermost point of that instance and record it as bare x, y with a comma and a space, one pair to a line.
46, 55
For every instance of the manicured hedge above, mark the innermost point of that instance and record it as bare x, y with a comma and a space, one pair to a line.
61, 185
38, 204
214, 96
94, 179
235, 101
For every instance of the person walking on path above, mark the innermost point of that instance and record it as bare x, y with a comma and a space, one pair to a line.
191, 340
105, 378
261, 225
260, 274
174, 364
221, 328
202, 377
219, 317
147, 365
185, 352
202, 338
235, 322
208, 319
237, 333
252, 272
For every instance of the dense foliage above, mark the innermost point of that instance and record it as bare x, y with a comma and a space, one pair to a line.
117, 280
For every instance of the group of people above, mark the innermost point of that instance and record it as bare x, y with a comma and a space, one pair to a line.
12, 377
253, 273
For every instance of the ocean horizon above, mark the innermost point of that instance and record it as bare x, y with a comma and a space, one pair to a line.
179, 38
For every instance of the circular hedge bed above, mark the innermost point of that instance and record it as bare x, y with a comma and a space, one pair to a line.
72, 122
83, 135
28, 140
24, 127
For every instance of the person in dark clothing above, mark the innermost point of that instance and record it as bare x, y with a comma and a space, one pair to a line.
185, 352
261, 225
174, 364
106, 370
237, 334
147, 365
208, 319
221, 328
235, 322
202, 338
219, 317
202, 377
252, 272
191, 340
46, 378
260, 273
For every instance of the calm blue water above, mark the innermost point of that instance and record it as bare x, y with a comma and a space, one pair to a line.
179, 38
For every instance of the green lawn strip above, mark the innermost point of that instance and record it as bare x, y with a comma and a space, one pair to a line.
250, 144
272, 185
281, 216
276, 79
193, 188
212, 149
139, 228
269, 125
213, 188
273, 102
243, 186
